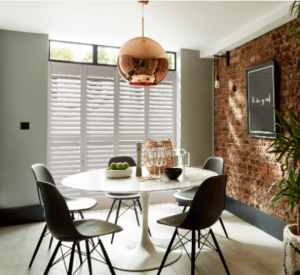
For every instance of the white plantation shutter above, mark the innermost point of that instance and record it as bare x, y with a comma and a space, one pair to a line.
100, 117
132, 118
100, 120
94, 115
64, 124
162, 109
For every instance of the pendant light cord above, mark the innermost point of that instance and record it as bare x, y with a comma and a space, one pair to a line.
217, 68
142, 20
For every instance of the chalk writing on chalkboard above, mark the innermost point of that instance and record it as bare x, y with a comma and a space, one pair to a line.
261, 100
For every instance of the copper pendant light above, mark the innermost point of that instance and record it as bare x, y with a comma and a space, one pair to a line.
142, 61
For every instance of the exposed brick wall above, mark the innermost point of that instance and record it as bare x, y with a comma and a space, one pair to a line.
250, 169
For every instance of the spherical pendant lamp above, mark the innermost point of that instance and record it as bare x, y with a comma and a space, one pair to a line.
142, 61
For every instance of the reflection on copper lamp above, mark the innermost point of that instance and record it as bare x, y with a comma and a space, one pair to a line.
142, 61
226, 55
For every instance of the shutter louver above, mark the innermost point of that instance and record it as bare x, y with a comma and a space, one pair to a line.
100, 121
161, 110
64, 156
132, 121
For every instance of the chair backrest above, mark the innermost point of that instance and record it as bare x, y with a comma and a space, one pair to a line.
127, 159
208, 204
41, 173
214, 164
58, 218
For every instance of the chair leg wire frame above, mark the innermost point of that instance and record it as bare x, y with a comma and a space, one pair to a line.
72, 250
202, 241
220, 219
135, 206
46, 232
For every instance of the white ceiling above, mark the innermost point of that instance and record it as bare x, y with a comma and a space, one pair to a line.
205, 26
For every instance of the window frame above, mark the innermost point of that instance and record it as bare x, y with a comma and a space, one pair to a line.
95, 55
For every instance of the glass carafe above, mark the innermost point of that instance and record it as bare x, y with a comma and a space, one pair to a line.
180, 158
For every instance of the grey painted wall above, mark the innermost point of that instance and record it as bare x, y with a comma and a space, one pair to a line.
195, 90
23, 98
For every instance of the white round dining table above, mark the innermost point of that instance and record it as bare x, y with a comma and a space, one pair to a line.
145, 255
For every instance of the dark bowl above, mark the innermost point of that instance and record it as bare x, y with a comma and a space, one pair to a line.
173, 173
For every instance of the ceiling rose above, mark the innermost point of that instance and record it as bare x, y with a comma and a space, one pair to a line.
142, 61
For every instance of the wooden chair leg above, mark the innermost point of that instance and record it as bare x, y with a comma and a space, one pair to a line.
112, 271
136, 214
79, 253
116, 220
88, 257
219, 251
51, 240
70, 271
81, 215
52, 258
111, 209
185, 206
38, 245
167, 252
193, 255
223, 228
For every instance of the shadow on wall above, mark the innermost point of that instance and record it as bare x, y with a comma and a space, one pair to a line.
250, 169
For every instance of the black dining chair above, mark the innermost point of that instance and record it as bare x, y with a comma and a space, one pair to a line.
206, 208
118, 198
75, 205
65, 229
214, 164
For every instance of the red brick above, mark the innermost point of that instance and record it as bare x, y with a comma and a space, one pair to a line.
251, 170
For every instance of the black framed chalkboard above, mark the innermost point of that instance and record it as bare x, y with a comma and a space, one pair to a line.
262, 84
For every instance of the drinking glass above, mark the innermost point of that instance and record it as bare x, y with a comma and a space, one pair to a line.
165, 157
150, 158
160, 155
155, 151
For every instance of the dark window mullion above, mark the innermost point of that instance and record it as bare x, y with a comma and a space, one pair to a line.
95, 54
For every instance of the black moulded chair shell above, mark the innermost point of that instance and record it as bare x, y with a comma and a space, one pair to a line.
120, 197
205, 210
64, 229
214, 164
75, 205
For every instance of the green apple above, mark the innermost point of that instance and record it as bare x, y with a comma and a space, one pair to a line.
113, 166
120, 166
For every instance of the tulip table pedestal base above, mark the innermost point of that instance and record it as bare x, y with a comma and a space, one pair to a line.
145, 255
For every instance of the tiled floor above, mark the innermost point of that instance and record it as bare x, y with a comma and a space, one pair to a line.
249, 251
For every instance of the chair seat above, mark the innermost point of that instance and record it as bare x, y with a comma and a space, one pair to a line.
123, 196
91, 228
80, 204
186, 195
175, 220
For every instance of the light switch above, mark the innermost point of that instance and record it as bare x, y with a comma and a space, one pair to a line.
24, 125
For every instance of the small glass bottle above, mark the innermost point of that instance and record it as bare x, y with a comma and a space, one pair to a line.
139, 172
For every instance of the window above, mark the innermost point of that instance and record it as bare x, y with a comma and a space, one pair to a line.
63, 51
172, 61
93, 114
107, 55
69, 52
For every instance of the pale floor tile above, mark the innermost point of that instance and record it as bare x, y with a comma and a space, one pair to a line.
249, 251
